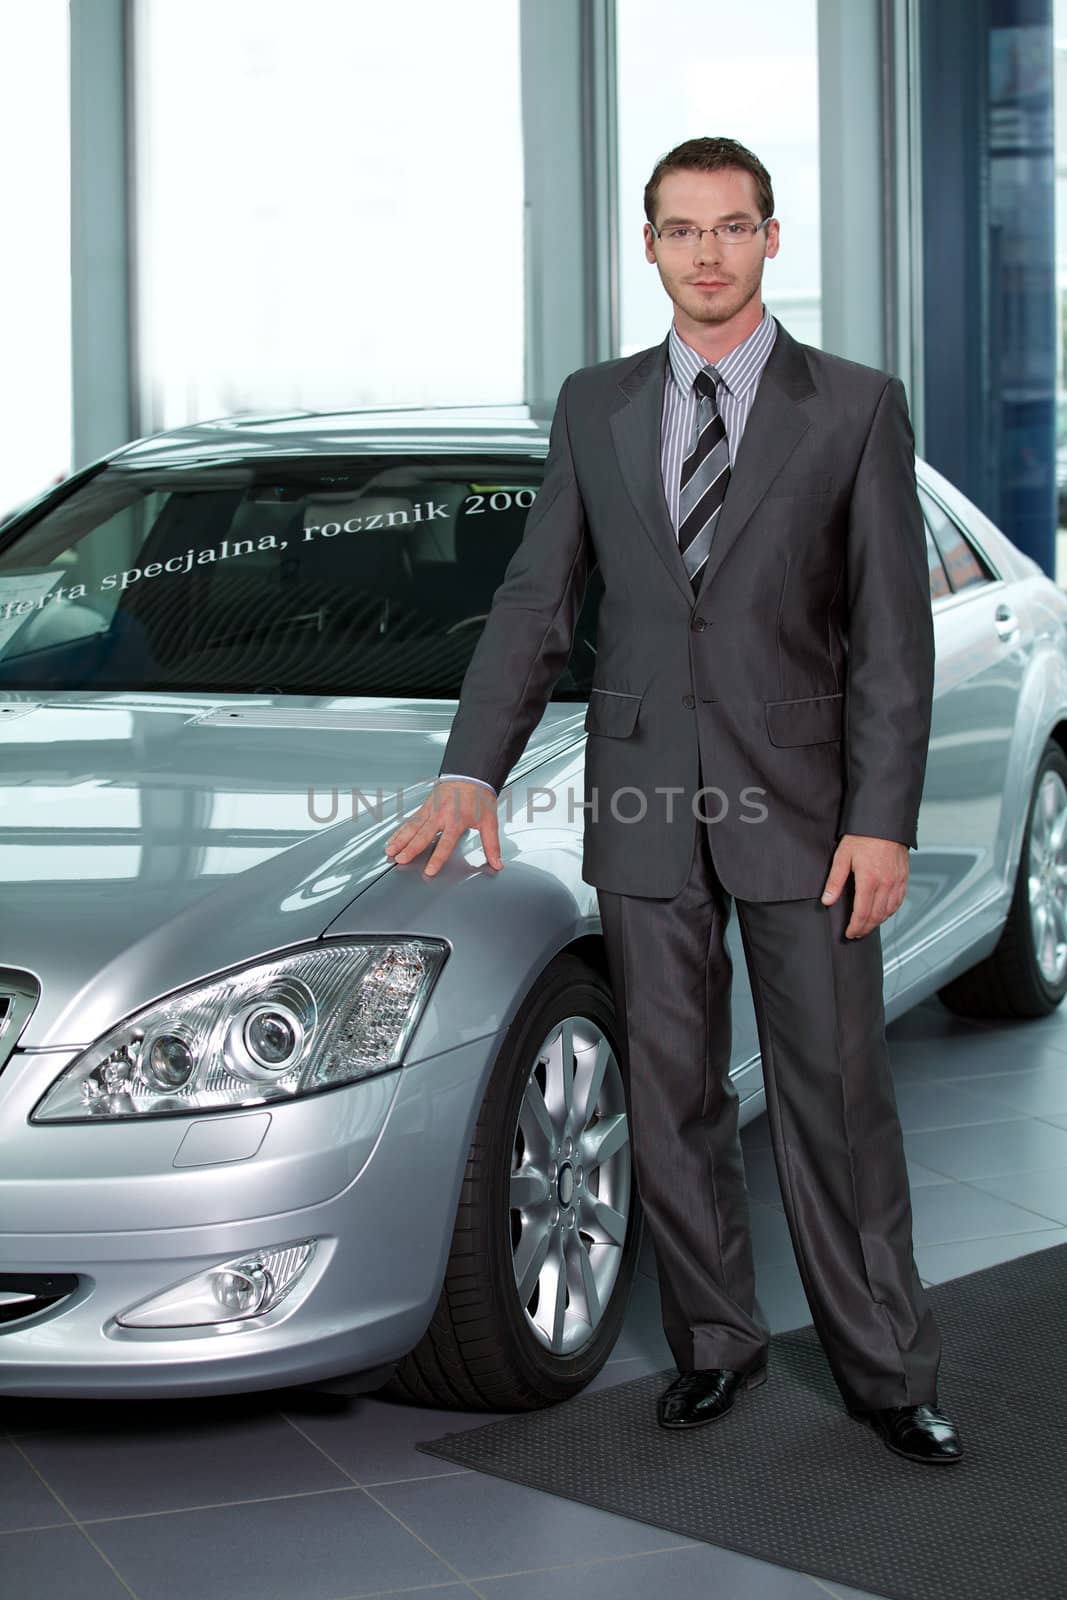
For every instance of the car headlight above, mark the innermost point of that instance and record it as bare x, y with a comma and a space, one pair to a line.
290, 1026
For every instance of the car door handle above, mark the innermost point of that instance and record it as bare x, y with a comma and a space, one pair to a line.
1005, 622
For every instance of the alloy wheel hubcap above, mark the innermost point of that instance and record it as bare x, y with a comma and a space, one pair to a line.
570, 1185
1047, 881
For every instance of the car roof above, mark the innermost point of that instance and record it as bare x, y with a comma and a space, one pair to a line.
517, 429
508, 429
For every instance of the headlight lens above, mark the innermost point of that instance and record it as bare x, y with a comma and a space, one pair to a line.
331, 1014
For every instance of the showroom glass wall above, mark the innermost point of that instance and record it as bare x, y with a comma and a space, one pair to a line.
1060, 100
328, 205
989, 260
687, 68
35, 396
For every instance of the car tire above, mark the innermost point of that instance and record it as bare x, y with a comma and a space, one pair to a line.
480, 1351
1012, 980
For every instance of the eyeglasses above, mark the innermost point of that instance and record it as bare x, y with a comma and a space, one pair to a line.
727, 232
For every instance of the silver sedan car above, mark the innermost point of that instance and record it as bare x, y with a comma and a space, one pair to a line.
275, 1110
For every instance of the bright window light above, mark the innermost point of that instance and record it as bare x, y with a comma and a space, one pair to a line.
329, 205
688, 68
35, 395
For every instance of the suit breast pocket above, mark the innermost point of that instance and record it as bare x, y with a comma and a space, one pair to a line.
612, 712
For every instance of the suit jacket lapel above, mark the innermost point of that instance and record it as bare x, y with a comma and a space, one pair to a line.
637, 432
775, 426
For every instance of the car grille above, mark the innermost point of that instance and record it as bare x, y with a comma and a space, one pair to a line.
24, 1294
19, 993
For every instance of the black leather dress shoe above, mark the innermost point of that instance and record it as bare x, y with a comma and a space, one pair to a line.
704, 1395
922, 1433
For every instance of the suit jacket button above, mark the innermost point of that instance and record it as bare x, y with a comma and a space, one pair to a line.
698, 624
688, 701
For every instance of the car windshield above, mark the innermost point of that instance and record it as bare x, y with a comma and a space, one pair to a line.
362, 575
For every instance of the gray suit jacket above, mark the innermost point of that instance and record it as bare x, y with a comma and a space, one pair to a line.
799, 679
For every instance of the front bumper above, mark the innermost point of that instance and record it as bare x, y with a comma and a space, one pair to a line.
371, 1171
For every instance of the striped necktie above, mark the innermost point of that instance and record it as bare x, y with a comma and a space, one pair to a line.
705, 476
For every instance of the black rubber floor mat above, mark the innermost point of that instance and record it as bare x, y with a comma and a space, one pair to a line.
788, 1477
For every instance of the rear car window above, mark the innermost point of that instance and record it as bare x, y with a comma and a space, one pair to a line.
963, 565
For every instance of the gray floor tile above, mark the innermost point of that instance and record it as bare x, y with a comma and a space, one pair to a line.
487, 1527
1042, 1192
701, 1572
642, 1335
952, 1211
130, 1470
756, 1133
55, 1564
923, 1106
761, 1175
920, 1177
1019, 1144
312, 1547
1036, 1092
931, 1022
24, 1500
771, 1242
977, 1058
1048, 1031
937, 1263
449, 1591
781, 1294
373, 1440
646, 1261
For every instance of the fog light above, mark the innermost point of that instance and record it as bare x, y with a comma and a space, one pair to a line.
242, 1293
245, 1286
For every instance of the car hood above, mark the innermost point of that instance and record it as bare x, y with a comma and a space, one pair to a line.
149, 840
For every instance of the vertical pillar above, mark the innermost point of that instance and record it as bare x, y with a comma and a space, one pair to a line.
989, 259
568, 118
902, 203
100, 310
852, 180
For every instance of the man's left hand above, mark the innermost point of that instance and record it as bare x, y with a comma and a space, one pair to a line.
881, 871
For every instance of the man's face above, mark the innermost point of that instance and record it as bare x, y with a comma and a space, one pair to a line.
710, 281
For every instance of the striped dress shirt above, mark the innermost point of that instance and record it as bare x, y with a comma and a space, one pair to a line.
739, 376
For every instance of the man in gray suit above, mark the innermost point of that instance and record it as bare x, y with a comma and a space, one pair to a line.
764, 638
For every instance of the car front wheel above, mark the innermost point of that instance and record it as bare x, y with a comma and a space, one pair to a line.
1026, 974
547, 1233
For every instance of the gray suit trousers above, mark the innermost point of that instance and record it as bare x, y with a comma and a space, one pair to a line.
833, 1121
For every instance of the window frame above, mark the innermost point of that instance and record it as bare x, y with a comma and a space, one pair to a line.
932, 544
972, 590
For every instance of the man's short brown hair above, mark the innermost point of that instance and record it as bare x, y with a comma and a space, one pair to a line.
710, 155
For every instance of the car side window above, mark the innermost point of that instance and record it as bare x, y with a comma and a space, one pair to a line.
939, 584
962, 564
